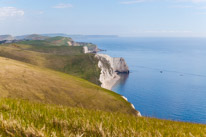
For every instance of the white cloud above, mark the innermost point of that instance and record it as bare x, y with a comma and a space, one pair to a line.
131, 2
10, 12
63, 6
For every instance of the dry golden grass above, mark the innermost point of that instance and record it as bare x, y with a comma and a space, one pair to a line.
24, 81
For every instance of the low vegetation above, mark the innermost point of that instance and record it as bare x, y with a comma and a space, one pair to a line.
67, 59
24, 81
23, 118
48, 41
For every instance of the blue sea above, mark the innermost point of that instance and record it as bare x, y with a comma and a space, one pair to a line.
168, 75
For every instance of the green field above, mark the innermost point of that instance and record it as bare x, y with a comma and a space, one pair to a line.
23, 118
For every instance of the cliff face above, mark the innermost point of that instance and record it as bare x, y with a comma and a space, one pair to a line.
110, 67
90, 49
86, 50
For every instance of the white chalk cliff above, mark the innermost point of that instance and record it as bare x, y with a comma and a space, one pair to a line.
86, 50
93, 49
110, 67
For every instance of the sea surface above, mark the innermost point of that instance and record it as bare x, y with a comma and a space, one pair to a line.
168, 75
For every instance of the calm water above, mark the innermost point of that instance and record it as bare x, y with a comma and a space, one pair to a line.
168, 75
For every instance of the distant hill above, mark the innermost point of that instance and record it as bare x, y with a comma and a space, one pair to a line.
58, 41
48, 41
35, 37
11, 39
31, 37
6, 37
40, 40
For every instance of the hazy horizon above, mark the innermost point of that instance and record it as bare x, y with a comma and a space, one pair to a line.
125, 36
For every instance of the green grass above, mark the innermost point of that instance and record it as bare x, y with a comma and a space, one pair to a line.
24, 118
67, 59
51, 41
24, 81
57, 50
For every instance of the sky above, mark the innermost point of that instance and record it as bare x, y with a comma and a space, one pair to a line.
142, 18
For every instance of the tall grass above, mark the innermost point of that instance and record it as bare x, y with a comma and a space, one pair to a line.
23, 118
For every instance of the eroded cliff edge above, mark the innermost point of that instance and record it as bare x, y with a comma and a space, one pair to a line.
110, 68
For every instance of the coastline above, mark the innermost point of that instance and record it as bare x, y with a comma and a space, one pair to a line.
110, 68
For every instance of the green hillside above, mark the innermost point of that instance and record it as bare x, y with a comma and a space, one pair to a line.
23, 118
49, 41
35, 37
67, 59
20, 80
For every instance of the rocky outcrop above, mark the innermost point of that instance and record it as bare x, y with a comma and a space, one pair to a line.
86, 50
110, 68
90, 48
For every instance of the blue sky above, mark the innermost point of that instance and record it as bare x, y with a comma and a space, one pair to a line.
174, 18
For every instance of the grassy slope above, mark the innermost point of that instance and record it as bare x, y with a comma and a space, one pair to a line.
66, 59
22, 118
20, 80
52, 41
